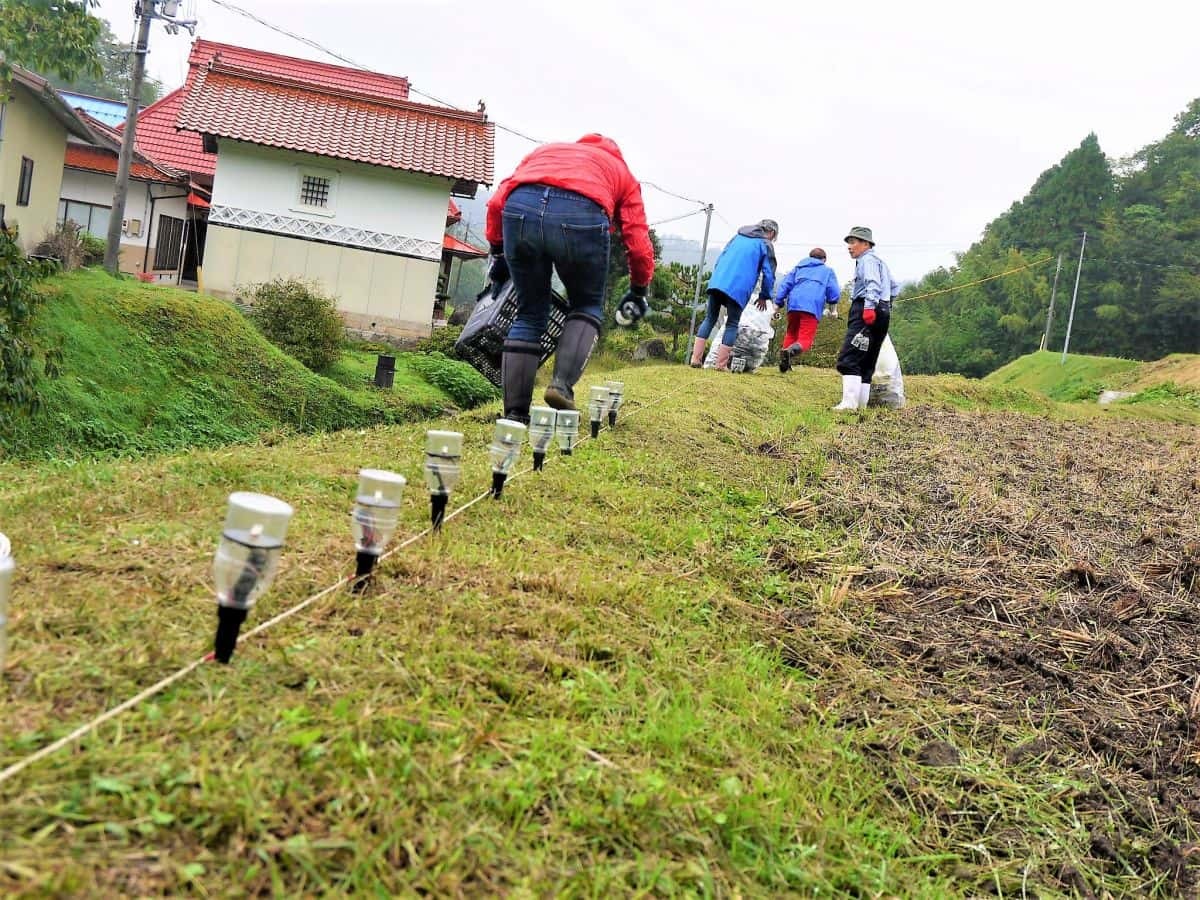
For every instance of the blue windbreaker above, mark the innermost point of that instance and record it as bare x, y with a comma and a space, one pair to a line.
739, 264
808, 287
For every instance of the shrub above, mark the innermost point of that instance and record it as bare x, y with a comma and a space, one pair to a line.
460, 381
298, 319
93, 249
441, 341
19, 300
65, 244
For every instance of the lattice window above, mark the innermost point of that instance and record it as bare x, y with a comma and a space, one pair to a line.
314, 190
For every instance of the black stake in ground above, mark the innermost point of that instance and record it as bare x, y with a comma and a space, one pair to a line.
539, 458
229, 623
596, 428
230, 618
498, 479
437, 507
364, 565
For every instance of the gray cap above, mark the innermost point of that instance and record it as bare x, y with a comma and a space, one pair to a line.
862, 233
769, 225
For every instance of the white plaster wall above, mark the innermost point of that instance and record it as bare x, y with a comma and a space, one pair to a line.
370, 197
96, 188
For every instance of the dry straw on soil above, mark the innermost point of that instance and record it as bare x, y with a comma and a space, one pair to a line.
1042, 578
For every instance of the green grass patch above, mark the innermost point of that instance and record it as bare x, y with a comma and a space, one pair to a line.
151, 369
571, 691
1080, 378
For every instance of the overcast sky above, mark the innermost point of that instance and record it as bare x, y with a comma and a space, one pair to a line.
923, 120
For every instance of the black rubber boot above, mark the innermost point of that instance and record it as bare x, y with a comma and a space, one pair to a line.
518, 369
574, 348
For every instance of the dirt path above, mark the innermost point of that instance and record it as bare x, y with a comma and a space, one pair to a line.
1043, 578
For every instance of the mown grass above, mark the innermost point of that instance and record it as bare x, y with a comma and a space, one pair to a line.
151, 369
1163, 391
573, 690
1080, 378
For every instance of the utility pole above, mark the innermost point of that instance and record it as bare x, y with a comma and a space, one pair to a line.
1050, 314
1074, 294
145, 12
708, 211
116, 217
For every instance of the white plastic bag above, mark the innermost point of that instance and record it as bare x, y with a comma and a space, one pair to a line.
887, 384
755, 330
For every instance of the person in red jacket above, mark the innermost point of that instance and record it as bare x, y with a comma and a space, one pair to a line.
558, 210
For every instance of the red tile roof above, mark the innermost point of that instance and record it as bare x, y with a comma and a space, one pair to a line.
279, 112
159, 138
461, 249
306, 71
97, 159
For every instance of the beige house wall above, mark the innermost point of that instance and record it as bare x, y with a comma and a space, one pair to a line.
376, 293
30, 131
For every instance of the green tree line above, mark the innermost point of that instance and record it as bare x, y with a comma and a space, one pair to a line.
1139, 291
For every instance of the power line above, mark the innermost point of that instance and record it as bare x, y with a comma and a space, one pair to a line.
309, 42
1140, 265
673, 194
688, 215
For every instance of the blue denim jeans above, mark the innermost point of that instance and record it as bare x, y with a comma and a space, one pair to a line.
547, 227
733, 315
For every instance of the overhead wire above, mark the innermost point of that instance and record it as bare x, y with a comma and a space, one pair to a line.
315, 45
161, 685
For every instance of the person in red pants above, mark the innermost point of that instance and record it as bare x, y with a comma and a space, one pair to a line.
805, 291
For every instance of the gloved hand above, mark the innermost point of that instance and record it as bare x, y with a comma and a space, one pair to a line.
498, 269
869, 316
632, 307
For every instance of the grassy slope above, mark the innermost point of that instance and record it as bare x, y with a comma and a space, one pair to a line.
569, 691
1081, 378
148, 368
1167, 390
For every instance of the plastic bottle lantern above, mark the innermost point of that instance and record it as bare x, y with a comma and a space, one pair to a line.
566, 425
246, 561
616, 390
598, 401
373, 522
541, 433
6, 575
443, 451
504, 451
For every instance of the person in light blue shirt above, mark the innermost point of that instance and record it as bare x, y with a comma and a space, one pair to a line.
870, 315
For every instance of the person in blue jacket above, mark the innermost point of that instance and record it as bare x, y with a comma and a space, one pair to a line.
805, 291
749, 254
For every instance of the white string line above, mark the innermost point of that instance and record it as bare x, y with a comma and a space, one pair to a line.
159, 686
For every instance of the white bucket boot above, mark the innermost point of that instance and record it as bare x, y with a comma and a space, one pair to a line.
851, 387
864, 395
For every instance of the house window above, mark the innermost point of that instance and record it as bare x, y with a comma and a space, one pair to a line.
88, 216
26, 183
314, 190
170, 243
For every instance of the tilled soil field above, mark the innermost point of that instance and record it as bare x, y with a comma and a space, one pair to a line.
1041, 580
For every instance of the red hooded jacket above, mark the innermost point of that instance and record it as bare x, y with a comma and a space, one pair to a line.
594, 168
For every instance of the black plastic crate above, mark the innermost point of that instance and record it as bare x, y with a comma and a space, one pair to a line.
482, 340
